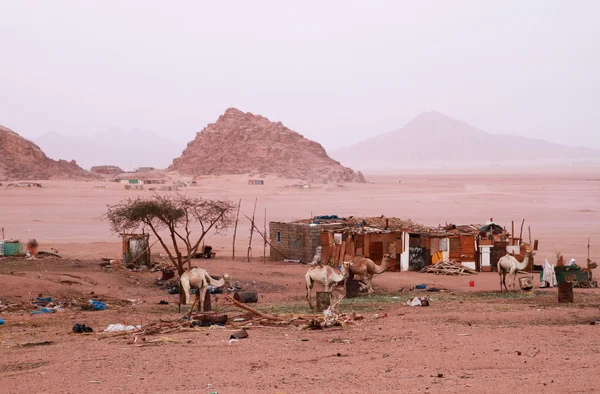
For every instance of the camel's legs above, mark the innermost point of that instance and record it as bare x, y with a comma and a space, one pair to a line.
203, 292
503, 282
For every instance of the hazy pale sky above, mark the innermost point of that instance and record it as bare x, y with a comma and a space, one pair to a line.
335, 71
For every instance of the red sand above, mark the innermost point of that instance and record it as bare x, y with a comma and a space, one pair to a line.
469, 337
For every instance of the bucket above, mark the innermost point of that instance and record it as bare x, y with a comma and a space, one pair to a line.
472, 283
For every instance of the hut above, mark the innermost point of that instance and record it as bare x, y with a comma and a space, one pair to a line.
136, 249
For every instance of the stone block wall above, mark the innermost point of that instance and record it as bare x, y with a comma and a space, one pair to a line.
296, 241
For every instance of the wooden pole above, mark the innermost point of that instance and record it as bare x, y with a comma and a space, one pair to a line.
530, 235
251, 232
235, 229
265, 241
512, 233
588, 258
521, 233
265, 238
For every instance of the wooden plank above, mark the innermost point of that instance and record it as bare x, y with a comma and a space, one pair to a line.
366, 241
340, 259
325, 248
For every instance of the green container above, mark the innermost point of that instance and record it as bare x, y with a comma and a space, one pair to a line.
13, 248
570, 274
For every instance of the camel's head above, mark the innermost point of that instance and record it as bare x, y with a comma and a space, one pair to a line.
226, 278
387, 256
345, 267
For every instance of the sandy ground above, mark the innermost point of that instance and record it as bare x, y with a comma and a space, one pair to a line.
471, 339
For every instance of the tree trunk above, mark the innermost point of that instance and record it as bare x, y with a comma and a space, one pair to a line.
209, 318
246, 297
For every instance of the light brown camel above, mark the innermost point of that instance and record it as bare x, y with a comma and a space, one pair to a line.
199, 279
366, 268
511, 266
324, 275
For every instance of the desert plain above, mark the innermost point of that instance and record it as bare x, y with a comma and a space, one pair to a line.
470, 339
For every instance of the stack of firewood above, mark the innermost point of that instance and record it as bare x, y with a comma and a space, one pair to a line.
449, 267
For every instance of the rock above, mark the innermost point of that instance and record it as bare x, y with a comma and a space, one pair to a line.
244, 143
21, 159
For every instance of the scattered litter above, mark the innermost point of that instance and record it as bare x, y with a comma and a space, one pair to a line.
232, 340
174, 290
41, 300
121, 327
433, 289
97, 305
420, 287
42, 310
464, 335
1, 322
239, 319
239, 334
81, 328
163, 302
423, 301
95, 381
215, 290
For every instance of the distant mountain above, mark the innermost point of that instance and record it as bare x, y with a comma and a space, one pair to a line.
21, 159
244, 143
433, 139
128, 150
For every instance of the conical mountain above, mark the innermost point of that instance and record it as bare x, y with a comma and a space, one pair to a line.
244, 143
433, 140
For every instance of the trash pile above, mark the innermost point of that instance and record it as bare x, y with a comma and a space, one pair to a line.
47, 305
449, 267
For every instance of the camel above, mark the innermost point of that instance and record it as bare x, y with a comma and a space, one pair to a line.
324, 275
366, 268
199, 279
510, 265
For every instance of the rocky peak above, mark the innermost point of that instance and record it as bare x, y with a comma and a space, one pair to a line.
245, 143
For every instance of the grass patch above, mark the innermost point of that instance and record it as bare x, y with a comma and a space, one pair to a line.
489, 295
361, 304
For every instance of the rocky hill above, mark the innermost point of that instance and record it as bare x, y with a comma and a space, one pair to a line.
244, 143
434, 140
21, 159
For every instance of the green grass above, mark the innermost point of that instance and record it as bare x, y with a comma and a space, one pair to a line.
362, 304
483, 296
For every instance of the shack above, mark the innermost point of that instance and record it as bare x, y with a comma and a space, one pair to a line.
296, 240
411, 246
136, 249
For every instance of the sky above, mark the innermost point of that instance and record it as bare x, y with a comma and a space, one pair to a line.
335, 71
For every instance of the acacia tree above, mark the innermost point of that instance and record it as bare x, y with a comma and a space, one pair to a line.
176, 214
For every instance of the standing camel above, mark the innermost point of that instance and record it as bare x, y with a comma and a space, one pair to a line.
199, 279
324, 275
511, 266
366, 268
